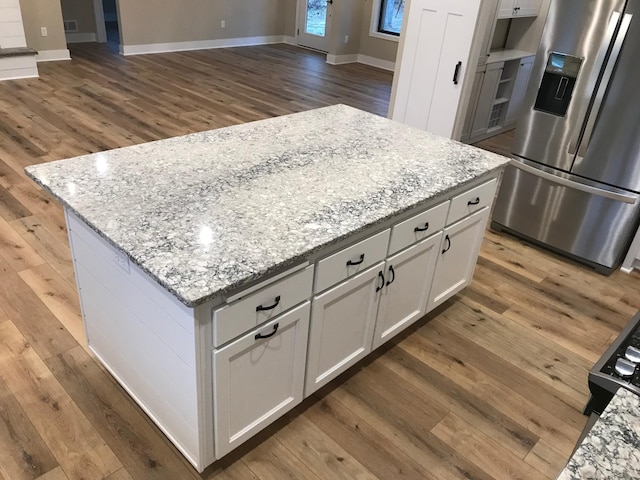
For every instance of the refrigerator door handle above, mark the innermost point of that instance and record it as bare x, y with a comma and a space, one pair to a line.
620, 197
604, 85
597, 68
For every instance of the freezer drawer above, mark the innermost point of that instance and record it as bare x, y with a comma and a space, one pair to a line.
587, 223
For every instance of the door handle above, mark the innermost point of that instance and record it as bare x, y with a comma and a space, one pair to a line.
456, 73
330, 2
392, 272
351, 263
381, 286
474, 202
261, 308
448, 240
260, 336
422, 229
591, 84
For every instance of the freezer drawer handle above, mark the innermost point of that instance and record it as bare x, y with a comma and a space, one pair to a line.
448, 240
261, 308
619, 197
456, 73
474, 202
422, 229
260, 336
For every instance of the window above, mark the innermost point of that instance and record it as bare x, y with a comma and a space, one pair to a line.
389, 17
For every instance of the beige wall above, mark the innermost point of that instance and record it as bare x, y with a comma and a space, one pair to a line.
346, 20
43, 13
197, 20
373, 46
290, 17
81, 11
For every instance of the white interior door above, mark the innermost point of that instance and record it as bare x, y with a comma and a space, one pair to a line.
313, 24
433, 58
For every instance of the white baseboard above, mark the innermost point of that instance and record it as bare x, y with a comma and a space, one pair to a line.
290, 40
18, 73
199, 45
53, 55
341, 59
376, 62
81, 37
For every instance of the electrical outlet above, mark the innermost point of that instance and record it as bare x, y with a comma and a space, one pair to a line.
123, 261
346, 39
43, 31
223, 24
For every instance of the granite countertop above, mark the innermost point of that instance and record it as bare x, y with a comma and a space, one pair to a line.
612, 447
206, 213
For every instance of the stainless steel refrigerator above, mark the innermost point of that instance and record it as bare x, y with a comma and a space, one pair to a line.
574, 183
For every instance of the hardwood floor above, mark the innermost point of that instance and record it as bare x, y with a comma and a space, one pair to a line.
491, 385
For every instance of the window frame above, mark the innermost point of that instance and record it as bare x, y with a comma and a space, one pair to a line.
376, 12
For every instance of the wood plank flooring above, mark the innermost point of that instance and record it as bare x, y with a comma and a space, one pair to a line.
491, 385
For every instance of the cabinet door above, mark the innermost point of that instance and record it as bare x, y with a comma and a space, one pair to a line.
472, 107
506, 9
406, 293
342, 324
258, 378
457, 257
528, 8
519, 89
490, 83
435, 44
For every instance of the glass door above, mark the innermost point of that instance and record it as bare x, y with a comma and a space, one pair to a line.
313, 23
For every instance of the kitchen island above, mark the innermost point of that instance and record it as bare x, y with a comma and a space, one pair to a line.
226, 275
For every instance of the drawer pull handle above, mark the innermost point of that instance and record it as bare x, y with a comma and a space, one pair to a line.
260, 308
381, 286
448, 240
474, 202
392, 272
422, 229
259, 336
351, 263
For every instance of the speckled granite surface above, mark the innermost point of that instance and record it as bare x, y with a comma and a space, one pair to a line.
208, 212
611, 450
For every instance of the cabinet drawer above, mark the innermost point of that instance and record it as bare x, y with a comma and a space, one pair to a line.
351, 260
471, 201
418, 228
234, 319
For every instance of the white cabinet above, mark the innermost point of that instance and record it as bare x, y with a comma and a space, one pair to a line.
434, 54
519, 8
258, 378
487, 99
519, 89
403, 299
458, 254
342, 323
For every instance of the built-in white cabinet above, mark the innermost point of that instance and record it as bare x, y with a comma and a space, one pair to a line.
519, 90
434, 54
342, 324
407, 283
259, 377
519, 8
487, 99
458, 254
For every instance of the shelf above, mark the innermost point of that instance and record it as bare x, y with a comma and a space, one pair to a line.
500, 101
494, 129
505, 80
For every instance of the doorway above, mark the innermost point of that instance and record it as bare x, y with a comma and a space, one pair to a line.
107, 23
313, 23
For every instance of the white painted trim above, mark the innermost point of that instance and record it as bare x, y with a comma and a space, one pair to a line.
101, 34
53, 55
14, 76
341, 59
290, 40
377, 62
199, 45
80, 37
264, 283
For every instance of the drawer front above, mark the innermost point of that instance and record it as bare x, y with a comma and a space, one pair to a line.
235, 319
472, 201
418, 228
351, 260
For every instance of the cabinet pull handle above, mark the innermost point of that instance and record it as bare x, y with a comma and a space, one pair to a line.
259, 336
474, 202
392, 272
456, 73
448, 240
422, 229
381, 286
260, 308
351, 263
